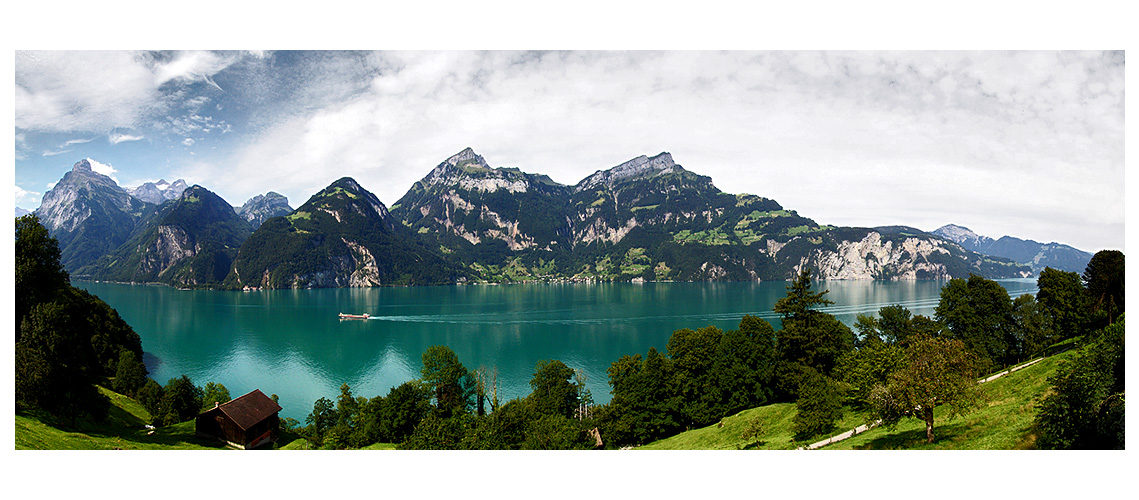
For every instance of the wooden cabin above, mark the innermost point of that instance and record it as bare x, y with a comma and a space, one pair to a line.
247, 422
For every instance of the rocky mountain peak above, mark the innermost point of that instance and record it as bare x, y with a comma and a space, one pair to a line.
637, 167
465, 155
961, 235
82, 166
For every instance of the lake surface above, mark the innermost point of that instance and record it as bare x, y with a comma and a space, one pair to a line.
291, 343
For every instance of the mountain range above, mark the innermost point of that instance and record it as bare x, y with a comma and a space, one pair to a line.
646, 219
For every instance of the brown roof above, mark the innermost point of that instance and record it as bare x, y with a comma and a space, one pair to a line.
249, 409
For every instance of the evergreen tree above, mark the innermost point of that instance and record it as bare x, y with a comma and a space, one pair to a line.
1104, 280
818, 408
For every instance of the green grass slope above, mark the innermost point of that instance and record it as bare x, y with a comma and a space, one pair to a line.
123, 429
1003, 423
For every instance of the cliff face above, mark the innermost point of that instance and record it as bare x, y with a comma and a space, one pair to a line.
873, 258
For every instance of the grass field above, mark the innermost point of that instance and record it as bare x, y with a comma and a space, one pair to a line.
123, 429
1004, 422
775, 420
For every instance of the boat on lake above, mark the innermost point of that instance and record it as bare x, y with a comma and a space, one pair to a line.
353, 316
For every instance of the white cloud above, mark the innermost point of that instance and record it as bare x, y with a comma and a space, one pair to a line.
25, 195
116, 138
191, 66
103, 168
188, 141
60, 91
77, 141
95, 91
56, 153
51, 185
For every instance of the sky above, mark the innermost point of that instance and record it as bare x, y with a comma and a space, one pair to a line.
1024, 143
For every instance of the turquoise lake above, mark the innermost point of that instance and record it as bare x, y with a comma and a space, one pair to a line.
291, 343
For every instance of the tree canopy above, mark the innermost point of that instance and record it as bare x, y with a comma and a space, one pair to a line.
935, 371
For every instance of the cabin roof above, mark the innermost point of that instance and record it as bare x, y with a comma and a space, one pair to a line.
249, 409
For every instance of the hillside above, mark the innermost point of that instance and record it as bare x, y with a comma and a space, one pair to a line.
191, 241
1005, 423
342, 236
124, 430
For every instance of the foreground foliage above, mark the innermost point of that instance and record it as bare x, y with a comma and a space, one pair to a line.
1085, 409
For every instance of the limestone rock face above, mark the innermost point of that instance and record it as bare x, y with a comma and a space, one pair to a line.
871, 258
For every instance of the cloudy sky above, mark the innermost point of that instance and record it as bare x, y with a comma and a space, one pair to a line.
1025, 143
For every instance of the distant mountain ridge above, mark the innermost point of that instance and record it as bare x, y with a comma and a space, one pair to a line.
158, 192
646, 219
1034, 254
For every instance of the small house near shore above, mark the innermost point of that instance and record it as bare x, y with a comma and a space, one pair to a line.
247, 422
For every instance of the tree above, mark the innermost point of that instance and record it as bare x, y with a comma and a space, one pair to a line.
39, 275
867, 367
818, 408
895, 323
1104, 280
1062, 297
214, 393
322, 418
130, 374
800, 300
645, 403
552, 391
1084, 409
403, 408
181, 401
452, 385
978, 312
1033, 325
936, 371
53, 365
744, 366
150, 395
692, 354
810, 339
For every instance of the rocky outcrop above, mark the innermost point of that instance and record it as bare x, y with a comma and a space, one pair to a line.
872, 258
640, 166
171, 246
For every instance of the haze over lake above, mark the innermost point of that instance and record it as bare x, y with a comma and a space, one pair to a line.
291, 343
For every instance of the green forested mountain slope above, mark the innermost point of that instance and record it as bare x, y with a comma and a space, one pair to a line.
342, 236
189, 241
